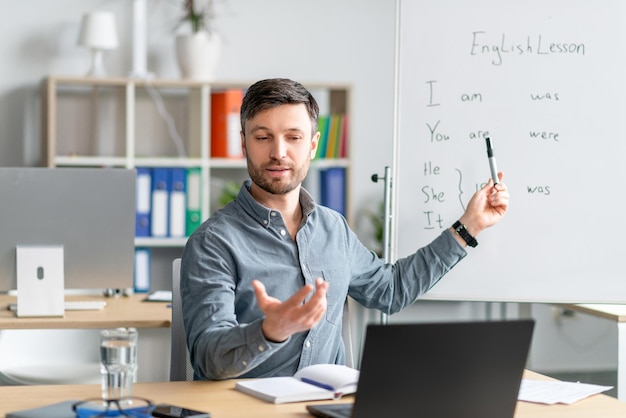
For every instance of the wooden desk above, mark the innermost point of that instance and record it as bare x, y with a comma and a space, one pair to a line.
122, 311
223, 401
616, 313
152, 319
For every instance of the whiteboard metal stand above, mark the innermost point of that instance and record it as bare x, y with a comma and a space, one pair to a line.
388, 220
489, 310
386, 223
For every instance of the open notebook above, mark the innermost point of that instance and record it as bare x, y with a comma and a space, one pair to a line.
438, 370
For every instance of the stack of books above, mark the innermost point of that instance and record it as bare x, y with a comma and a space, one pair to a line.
333, 136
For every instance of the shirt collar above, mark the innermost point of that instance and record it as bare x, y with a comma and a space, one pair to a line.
262, 214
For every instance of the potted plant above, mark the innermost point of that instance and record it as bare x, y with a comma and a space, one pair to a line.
197, 44
229, 192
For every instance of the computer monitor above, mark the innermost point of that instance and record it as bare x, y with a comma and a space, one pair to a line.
89, 211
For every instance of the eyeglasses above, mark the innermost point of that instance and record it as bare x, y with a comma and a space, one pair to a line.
129, 407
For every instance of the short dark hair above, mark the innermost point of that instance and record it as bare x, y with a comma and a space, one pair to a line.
270, 93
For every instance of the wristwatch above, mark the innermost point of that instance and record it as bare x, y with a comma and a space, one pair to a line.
460, 229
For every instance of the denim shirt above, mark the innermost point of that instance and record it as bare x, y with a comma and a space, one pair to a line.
246, 241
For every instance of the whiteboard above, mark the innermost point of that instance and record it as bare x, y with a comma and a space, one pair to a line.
545, 81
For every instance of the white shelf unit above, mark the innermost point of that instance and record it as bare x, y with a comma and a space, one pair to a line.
115, 122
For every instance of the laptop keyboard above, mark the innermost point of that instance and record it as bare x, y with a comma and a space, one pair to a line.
75, 305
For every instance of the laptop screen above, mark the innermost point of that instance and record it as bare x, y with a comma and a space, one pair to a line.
442, 370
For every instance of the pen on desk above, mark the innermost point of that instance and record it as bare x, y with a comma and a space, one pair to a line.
318, 384
492, 162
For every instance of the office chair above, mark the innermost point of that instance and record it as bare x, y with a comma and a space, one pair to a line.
180, 366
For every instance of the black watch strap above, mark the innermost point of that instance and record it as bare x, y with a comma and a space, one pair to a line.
462, 231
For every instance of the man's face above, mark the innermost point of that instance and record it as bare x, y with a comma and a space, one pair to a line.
278, 147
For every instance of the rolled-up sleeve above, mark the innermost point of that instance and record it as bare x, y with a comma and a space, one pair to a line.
392, 287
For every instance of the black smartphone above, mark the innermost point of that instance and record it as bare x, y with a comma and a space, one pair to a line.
173, 411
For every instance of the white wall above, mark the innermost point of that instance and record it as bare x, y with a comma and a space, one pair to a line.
343, 41
562, 340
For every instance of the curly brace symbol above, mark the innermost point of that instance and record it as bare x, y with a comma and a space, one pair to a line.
460, 189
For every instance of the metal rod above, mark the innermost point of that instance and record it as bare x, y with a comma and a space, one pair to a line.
386, 228
386, 222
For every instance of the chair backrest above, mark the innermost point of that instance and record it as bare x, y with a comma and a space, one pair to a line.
346, 334
180, 366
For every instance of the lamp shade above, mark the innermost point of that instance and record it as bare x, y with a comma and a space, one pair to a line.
98, 31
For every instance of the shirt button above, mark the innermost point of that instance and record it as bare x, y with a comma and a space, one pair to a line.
265, 222
261, 348
245, 363
282, 232
308, 344
273, 214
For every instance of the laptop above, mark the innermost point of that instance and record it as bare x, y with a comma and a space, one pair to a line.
438, 370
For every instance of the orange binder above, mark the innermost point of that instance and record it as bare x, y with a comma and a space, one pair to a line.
225, 126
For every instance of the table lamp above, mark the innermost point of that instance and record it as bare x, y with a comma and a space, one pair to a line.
98, 33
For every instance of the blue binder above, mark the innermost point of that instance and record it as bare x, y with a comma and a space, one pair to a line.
178, 203
142, 270
333, 188
161, 184
143, 198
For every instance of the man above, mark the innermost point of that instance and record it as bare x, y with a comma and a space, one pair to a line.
264, 280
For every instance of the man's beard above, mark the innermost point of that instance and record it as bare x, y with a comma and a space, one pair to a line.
277, 186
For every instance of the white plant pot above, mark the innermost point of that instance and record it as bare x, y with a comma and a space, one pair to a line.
198, 55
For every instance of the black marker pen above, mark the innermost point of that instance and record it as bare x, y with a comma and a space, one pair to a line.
492, 162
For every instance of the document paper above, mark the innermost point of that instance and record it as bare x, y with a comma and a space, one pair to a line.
553, 392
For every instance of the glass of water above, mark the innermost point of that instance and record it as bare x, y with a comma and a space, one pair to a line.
118, 362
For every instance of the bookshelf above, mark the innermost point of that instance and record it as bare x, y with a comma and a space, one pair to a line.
136, 123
